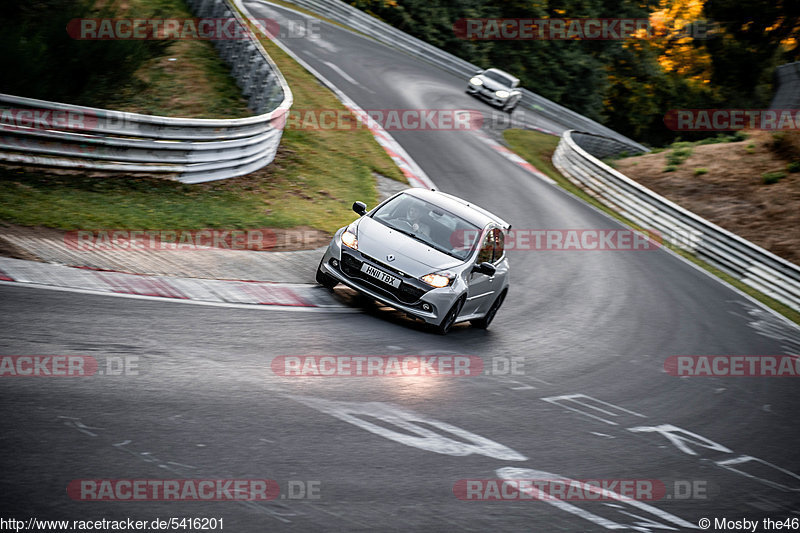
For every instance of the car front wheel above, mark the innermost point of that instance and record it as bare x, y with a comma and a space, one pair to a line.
483, 323
325, 280
450, 318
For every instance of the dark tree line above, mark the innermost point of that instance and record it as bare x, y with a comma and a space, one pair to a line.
706, 54
39, 59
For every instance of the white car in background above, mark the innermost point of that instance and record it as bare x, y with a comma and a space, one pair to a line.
497, 87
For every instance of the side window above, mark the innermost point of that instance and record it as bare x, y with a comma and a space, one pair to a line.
499, 244
487, 248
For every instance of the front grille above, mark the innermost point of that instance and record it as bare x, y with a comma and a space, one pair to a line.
406, 293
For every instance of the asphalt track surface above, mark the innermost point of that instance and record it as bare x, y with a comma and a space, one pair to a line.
385, 453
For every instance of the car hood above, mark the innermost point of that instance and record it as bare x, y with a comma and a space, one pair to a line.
411, 256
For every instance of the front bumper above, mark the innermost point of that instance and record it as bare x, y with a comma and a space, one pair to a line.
486, 95
409, 298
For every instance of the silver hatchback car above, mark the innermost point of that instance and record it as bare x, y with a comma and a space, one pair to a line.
426, 253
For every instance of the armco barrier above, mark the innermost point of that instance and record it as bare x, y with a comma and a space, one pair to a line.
189, 150
730, 253
356, 19
787, 79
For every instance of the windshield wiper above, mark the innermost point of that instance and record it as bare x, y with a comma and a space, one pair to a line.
443, 250
423, 241
409, 233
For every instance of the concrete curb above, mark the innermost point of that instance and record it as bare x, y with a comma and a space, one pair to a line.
249, 293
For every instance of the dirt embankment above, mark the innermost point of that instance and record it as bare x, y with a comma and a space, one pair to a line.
724, 184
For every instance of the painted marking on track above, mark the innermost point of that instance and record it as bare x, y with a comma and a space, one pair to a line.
539, 380
76, 423
415, 428
180, 464
325, 45
771, 326
596, 406
334, 67
511, 473
679, 437
728, 464
682, 439
522, 386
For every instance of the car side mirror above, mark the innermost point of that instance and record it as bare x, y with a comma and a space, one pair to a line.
360, 208
485, 268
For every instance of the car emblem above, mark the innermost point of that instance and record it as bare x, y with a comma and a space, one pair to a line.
390, 258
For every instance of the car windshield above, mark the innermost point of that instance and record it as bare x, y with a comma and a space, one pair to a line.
496, 76
430, 224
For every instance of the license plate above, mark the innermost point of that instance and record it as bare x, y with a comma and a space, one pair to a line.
381, 275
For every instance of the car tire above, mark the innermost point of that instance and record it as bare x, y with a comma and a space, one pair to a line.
483, 323
510, 108
450, 318
325, 280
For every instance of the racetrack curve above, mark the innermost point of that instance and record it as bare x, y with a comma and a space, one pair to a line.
204, 402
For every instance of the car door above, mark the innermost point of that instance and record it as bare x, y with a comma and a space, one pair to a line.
480, 287
500, 263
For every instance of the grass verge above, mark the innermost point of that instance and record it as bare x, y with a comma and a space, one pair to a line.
166, 77
537, 148
313, 182
188, 79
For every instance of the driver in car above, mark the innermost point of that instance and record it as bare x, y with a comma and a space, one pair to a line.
414, 218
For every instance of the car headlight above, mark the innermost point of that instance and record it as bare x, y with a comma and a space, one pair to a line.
476, 81
502, 94
439, 279
350, 239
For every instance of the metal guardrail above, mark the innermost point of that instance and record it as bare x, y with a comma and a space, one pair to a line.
54, 134
358, 20
787, 78
738, 257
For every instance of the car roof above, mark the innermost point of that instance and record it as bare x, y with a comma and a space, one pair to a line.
504, 73
466, 210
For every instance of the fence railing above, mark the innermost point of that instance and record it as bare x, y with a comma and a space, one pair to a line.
732, 254
61, 135
787, 79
